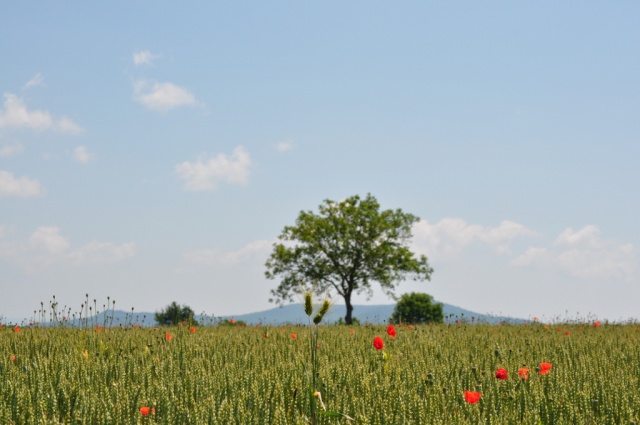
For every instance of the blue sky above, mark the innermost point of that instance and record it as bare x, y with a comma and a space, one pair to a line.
153, 152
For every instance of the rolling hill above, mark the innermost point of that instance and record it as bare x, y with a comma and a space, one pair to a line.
291, 314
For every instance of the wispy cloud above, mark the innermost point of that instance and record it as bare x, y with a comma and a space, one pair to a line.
162, 96
47, 246
206, 174
102, 253
15, 114
35, 81
19, 187
68, 126
82, 155
583, 253
284, 146
49, 240
10, 150
144, 57
445, 239
209, 257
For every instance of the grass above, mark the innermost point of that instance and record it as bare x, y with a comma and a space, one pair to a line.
258, 375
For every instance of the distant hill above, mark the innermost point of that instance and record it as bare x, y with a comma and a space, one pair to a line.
374, 314
292, 314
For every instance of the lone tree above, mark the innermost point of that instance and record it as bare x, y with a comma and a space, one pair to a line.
174, 314
345, 247
417, 308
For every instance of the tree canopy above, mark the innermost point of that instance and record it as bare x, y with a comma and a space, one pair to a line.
417, 308
346, 246
174, 314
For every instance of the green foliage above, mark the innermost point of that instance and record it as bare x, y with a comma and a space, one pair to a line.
346, 247
174, 314
354, 321
417, 308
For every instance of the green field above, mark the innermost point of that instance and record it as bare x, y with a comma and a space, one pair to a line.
259, 375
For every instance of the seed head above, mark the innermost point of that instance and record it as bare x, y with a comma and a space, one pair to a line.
308, 304
322, 311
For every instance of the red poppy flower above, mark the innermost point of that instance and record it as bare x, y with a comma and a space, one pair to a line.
410, 326
144, 410
378, 343
16, 329
502, 374
523, 373
192, 329
596, 324
13, 358
168, 336
391, 331
567, 333
472, 397
294, 336
545, 368
232, 321
351, 331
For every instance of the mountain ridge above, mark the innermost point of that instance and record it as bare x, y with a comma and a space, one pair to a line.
373, 314
288, 314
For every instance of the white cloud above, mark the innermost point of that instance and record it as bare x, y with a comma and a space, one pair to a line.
447, 238
205, 174
66, 125
35, 81
47, 246
584, 254
82, 155
587, 237
21, 187
284, 146
162, 96
10, 150
15, 114
533, 255
144, 57
49, 240
211, 257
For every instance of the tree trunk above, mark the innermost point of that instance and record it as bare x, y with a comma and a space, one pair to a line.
347, 301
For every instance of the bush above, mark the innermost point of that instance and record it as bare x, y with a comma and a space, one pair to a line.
417, 308
174, 314
354, 321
